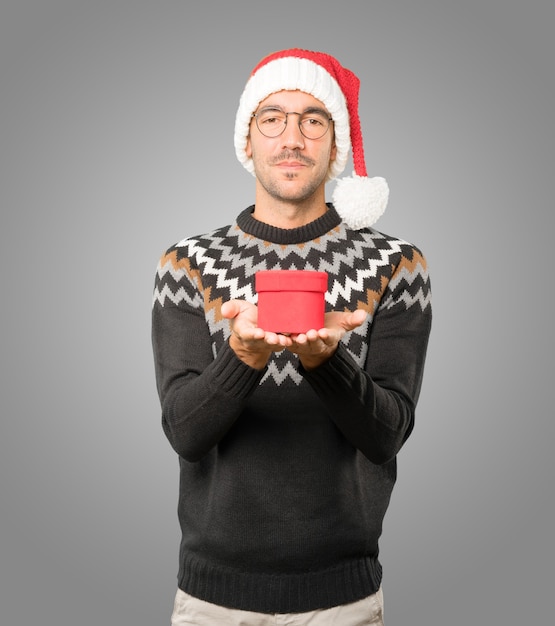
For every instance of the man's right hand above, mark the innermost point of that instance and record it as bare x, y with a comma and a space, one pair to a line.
251, 344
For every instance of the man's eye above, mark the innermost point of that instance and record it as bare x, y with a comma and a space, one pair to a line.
314, 121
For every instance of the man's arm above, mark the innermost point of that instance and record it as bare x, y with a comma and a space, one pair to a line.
201, 395
374, 406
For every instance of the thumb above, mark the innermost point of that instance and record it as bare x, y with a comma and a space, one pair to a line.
231, 309
356, 318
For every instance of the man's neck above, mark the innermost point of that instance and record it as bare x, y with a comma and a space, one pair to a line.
283, 214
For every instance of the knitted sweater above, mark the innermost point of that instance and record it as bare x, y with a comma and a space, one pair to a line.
286, 474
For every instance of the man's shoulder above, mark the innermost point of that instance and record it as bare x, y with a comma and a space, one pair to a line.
206, 237
188, 244
388, 242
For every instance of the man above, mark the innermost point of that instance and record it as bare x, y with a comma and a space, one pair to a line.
287, 443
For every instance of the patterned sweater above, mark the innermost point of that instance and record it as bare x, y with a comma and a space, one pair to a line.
286, 474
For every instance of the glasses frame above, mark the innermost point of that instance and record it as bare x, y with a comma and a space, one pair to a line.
287, 114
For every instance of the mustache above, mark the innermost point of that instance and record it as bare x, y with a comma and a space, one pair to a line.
288, 155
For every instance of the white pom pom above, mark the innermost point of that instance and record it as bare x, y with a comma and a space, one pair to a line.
360, 201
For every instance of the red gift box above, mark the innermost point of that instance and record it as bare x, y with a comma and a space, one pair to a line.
291, 301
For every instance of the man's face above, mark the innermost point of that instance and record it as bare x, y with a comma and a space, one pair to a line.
291, 167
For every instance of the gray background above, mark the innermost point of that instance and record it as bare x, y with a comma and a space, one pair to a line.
108, 156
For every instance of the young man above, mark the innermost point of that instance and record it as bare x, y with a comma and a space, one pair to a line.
287, 443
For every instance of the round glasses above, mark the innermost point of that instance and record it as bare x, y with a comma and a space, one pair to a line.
313, 123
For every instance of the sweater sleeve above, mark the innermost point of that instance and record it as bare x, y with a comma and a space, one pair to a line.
201, 394
374, 405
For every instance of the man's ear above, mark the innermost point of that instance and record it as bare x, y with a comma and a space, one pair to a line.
248, 149
333, 152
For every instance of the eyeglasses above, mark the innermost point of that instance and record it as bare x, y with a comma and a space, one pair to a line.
313, 123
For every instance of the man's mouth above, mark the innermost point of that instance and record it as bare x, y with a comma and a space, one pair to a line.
291, 160
291, 164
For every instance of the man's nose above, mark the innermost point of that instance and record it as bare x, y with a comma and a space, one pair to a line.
292, 136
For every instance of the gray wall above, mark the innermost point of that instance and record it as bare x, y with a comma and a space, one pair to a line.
107, 158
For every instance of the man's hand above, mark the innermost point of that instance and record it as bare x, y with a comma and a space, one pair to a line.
251, 344
315, 347
254, 346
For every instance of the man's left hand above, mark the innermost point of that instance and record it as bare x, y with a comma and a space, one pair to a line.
315, 347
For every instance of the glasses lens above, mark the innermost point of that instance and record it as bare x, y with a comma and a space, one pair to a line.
314, 125
271, 122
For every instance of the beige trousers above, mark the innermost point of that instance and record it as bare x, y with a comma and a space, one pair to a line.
189, 611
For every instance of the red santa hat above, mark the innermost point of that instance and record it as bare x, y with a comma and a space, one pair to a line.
359, 200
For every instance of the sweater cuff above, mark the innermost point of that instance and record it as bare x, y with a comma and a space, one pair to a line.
234, 376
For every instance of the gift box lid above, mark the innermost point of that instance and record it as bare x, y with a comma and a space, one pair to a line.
291, 280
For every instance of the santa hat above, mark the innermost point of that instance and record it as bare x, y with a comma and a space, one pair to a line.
359, 200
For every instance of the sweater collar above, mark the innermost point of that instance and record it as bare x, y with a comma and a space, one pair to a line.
285, 236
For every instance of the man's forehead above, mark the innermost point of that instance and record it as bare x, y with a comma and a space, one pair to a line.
288, 98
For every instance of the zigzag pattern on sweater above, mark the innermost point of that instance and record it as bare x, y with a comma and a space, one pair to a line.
366, 269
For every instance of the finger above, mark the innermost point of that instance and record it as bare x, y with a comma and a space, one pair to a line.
283, 340
304, 338
258, 334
